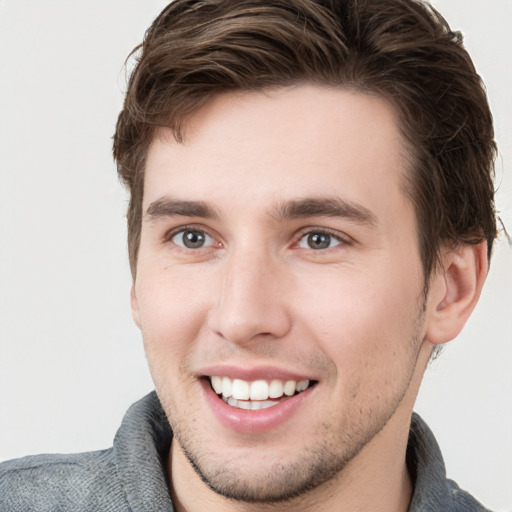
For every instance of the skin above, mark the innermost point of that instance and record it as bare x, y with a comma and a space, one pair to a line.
352, 316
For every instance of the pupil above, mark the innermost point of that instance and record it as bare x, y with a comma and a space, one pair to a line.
319, 241
193, 239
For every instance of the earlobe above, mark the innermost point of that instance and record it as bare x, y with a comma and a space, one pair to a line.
135, 306
455, 291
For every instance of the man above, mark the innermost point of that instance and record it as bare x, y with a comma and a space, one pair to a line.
311, 216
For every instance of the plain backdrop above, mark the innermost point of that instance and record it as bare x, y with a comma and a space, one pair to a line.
71, 361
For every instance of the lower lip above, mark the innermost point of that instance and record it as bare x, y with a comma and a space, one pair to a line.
253, 422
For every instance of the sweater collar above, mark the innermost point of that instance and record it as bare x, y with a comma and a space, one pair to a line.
141, 447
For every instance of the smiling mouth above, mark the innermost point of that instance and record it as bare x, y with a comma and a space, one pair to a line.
258, 394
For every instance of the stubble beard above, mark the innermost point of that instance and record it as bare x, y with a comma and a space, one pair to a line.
311, 466
317, 463
276, 482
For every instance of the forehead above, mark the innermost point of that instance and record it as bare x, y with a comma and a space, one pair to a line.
263, 148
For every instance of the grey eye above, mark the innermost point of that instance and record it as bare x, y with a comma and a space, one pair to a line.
318, 241
192, 239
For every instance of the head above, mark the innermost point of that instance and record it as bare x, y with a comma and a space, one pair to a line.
402, 51
299, 172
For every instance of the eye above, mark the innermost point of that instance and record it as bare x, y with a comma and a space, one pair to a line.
192, 239
318, 240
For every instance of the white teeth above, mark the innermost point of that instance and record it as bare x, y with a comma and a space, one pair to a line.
257, 391
302, 385
289, 387
227, 387
240, 389
275, 389
243, 404
217, 384
250, 405
258, 404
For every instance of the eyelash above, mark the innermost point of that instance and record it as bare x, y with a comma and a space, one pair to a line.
182, 229
336, 235
341, 239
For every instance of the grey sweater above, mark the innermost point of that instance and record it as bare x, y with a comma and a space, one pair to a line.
131, 475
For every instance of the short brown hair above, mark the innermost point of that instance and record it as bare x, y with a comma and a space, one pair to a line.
401, 50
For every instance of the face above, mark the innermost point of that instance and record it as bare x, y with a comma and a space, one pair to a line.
279, 287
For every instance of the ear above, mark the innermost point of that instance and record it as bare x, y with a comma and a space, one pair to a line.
455, 290
135, 306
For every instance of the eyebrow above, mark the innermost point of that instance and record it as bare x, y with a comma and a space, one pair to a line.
324, 207
293, 209
168, 207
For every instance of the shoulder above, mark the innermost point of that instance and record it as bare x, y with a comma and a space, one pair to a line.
462, 501
129, 476
86, 481
433, 491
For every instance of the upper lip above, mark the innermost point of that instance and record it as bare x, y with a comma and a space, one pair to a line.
253, 373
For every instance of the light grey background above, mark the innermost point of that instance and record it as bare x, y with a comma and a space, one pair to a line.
71, 361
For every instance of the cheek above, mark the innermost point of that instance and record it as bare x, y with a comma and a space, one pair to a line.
171, 310
356, 316
366, 331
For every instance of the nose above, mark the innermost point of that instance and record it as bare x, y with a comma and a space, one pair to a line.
251, 301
